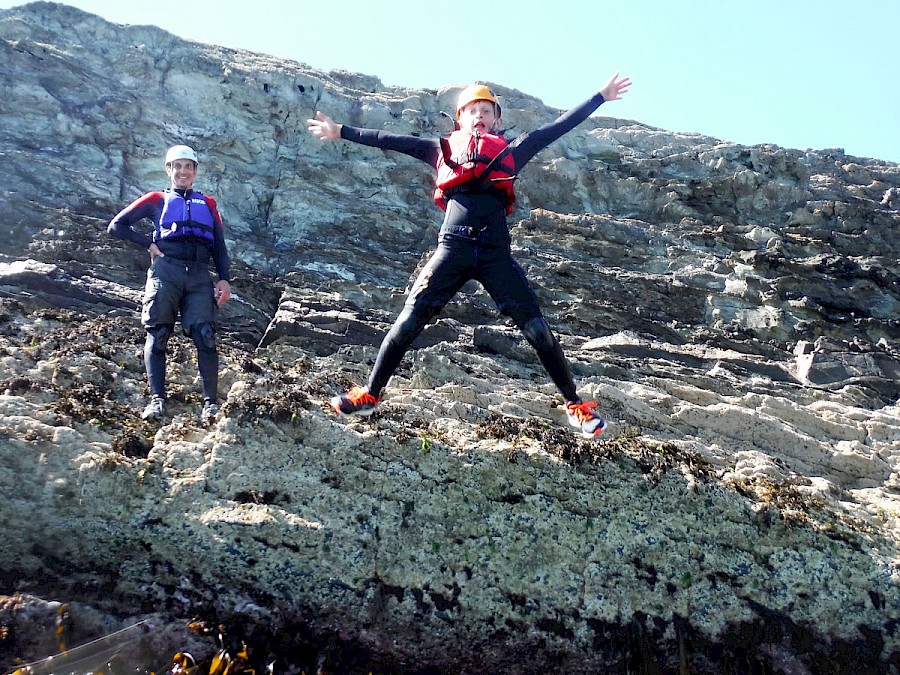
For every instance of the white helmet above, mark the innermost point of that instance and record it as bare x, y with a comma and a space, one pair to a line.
181, 152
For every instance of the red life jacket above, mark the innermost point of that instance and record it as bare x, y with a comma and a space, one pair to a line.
463, 161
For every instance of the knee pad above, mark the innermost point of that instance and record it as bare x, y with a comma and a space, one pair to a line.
537, 332
204, 336
158, 338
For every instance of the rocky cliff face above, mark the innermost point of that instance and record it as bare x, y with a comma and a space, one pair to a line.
733, 309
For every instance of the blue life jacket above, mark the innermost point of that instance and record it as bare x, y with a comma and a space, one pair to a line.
186, 219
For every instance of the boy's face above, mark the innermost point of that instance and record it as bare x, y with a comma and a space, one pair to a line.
182, 173
478, 117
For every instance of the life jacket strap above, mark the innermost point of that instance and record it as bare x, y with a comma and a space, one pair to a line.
447, 154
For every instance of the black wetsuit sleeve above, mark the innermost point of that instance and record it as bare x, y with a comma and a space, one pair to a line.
540, 138
220, 256
220, 249
425, 149
122, 225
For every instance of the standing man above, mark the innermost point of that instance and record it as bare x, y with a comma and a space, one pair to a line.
187, 235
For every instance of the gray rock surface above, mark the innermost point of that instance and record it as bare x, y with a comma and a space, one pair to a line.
733, 309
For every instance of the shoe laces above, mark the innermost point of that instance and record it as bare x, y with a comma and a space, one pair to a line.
582, 411
358, 395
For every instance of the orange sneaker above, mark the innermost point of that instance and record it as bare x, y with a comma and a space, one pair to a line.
357, 401
582, 417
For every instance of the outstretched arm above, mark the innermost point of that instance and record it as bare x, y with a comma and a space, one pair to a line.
540, 138
327, 129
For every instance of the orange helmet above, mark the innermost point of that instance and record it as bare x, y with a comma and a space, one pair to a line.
476, 92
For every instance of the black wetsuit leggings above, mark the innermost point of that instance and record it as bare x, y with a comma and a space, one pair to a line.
177, 287
456, 261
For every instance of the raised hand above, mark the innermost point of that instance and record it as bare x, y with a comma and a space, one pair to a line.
615, 88
324, 127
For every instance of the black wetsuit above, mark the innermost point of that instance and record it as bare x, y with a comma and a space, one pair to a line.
474, 243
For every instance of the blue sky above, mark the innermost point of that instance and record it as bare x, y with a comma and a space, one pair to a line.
797, 73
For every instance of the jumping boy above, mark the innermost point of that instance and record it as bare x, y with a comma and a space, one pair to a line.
475, 172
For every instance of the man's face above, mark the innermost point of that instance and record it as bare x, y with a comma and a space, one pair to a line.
181, 172
478, 117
